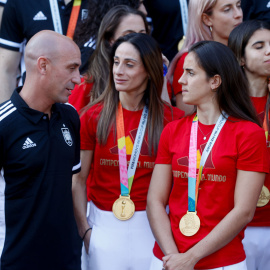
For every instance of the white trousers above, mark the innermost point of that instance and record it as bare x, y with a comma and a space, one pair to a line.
116, 244
157, 264
257, 247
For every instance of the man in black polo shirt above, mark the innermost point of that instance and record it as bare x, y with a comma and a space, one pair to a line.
21, 20
39, 153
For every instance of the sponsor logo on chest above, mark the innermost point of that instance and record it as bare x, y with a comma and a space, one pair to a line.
28, 144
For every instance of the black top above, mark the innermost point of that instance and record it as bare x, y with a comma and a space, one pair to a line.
24, 18
3, 2
256, 9
37, 159
167, 24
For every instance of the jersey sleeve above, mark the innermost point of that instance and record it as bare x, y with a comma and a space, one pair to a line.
75, 122
252, 153
177, 87
80, 96
164, 155
77, 164
11, 32
171, 113
89, 121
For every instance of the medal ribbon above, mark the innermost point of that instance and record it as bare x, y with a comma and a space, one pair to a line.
184, 15
56, 17
265, 127
127, 176
74, 18
193, 181
72, 21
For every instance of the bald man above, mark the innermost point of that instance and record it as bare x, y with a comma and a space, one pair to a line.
39, 153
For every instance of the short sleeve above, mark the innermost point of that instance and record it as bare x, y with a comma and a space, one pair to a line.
77, 161
177, 87
252, 152
11, 33
88, 129
164, 155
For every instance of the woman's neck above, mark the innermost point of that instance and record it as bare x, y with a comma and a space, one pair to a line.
208, 115
257, 85
220, 40
131, 102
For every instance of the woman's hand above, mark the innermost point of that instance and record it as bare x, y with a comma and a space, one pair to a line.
179, 261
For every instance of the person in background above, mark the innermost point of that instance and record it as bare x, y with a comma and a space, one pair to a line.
87, 31
21, 20
167, 25
208, 20
122, 126
253, 9
119, 21
250, 42
212, 183
39, 153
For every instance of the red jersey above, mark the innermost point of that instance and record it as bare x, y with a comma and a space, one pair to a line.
178, 72
105, 179
239, 146
262, 214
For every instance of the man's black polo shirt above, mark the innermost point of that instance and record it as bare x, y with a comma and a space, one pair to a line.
37, 159
23, 19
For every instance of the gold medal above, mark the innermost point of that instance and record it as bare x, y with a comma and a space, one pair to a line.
123, 208
264, 197
189, 224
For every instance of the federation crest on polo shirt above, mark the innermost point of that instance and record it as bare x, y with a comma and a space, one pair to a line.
67, 135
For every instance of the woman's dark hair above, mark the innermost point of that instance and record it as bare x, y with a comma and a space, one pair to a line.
240, 36
239, 39
98, 70
150, 54
232, 95
97, 9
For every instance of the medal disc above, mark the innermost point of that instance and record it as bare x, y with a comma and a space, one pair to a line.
264, 197
123, 208
189, 224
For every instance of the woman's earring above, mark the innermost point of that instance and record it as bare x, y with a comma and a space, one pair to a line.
210, 27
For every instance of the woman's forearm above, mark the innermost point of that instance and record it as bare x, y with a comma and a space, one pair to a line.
79, 204
161, 227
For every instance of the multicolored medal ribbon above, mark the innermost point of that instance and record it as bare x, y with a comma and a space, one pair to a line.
264, 197
73, 18
190, 222
124, 208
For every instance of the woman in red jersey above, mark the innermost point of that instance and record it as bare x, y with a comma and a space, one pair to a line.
122, 127
250, 42
208, 20
210, 168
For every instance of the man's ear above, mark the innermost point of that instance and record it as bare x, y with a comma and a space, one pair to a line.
42, 64
207, 20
